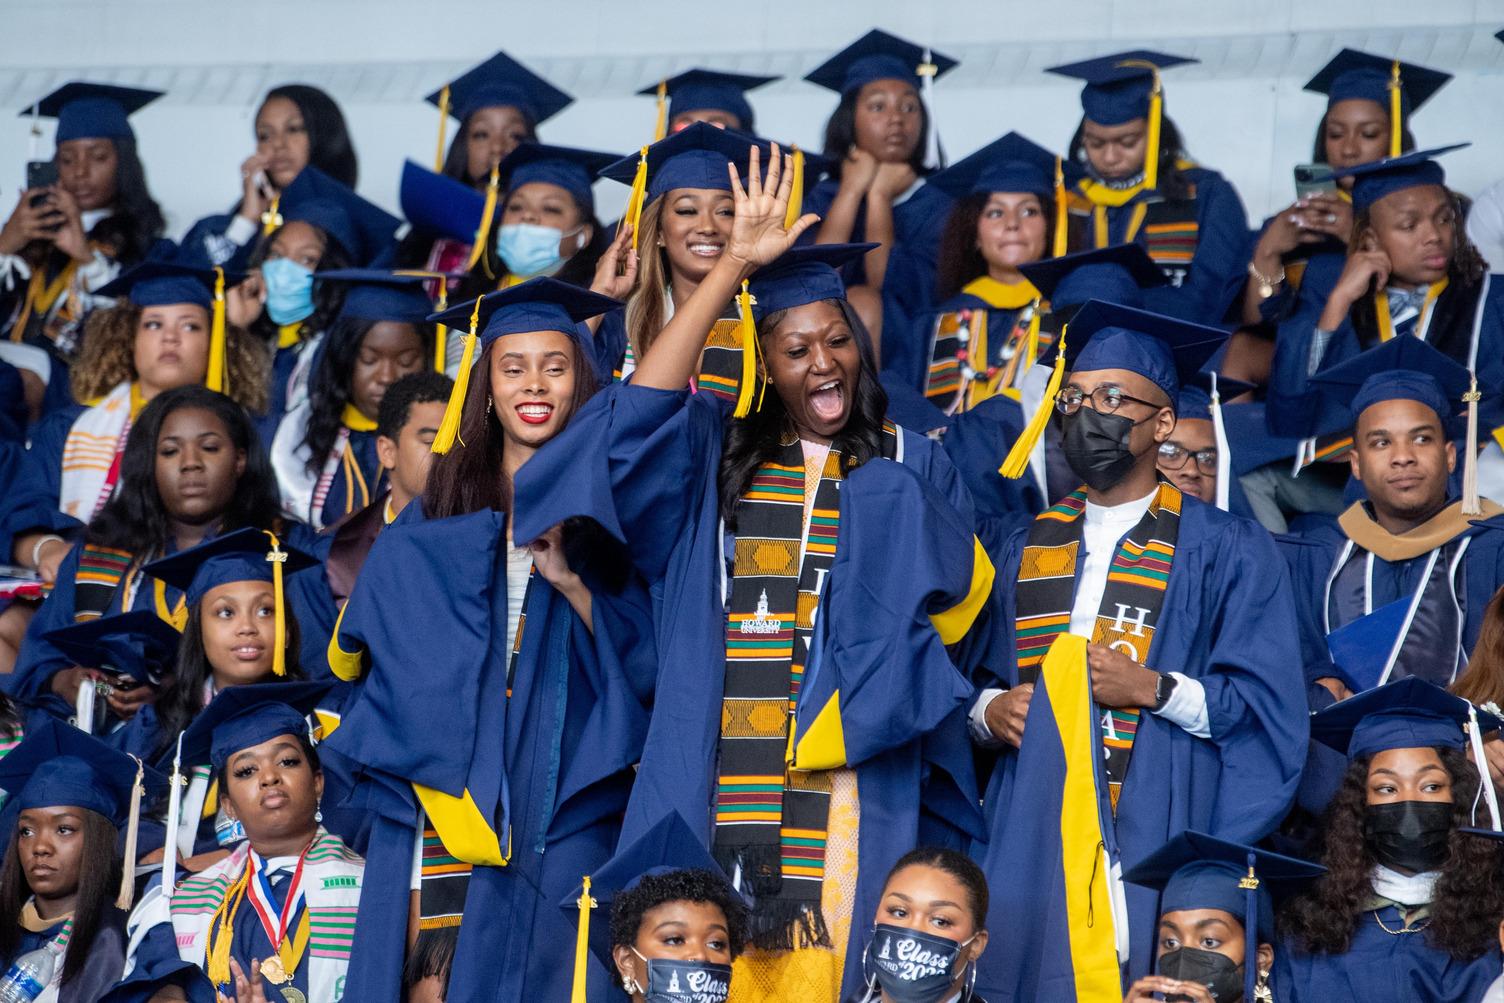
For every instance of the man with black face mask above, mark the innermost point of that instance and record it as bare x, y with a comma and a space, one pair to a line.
1192, 665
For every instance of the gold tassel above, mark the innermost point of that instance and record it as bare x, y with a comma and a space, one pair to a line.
132, 825
796, 192
632, 215
438, 156
660, 127
216, 379
217, 965
744, 303
1018, 457
1062, 216
1156, 119
1470, 502
582, 943
449, 428
272, 218
278, 557
441, 333
493, 191
1396, 110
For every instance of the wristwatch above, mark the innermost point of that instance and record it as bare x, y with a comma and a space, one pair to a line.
1163, 687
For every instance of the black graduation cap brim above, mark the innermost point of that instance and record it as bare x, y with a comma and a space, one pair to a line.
88, 642
1109, 69
1189, 847
131, 99
232, 701
835, 73
540, 98
579, 304
701, 77
1334, 726
1400, 163
179, 570
152, 270
1047, 273
1419, 83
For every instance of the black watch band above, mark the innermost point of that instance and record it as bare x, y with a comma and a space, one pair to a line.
1163, 687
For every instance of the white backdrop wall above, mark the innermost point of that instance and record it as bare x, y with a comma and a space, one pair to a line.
1241, 109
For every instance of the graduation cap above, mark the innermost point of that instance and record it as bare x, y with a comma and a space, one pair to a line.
439, 204
240, 717
1399, 87
1116, 274
1123, 87
1198, 871
878, 55
572, 169
667, 846
1166, 351
1376, 179
539, 304
1201, 400
165, 283
704, 90
1363, 650
500, 81
1012, 163
87, 110
1409, 713
58, 765
379, 295
244, 555
138, 644
362, 228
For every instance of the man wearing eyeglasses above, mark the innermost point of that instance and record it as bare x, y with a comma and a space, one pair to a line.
1188, 458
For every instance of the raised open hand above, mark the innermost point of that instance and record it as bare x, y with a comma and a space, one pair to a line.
616, 272
758, 235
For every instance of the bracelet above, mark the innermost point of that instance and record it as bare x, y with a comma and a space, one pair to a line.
1266, 282
36, 548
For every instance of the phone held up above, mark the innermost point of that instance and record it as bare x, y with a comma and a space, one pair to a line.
1305, 180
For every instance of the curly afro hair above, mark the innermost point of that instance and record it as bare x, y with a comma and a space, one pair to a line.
688, 885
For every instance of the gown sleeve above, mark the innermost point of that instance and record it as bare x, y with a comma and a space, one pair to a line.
39, 659
1218, 267
30, 503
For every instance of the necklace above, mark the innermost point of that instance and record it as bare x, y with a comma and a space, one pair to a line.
1407, 928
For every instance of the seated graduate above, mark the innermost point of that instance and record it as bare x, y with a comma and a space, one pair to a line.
666, 922
979, 438
324, 451
408, 419
1142, 187
1196, 458
296, 126
66, 240
1409, 907
64, 893
1168, 650
929, 931
192, 469
977, 341
701, 95
125, 651
536, 654
276, 914
1216, 919
880, 137
713, 508
499, 105
168, 329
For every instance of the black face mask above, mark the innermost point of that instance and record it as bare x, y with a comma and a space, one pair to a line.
1096, 446
1222, 978
1409, 835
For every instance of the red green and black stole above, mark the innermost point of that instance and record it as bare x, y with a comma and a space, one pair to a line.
771, 822
100, 572
1131, 603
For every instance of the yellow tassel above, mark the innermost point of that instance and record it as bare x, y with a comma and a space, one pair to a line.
132, 825
278, 557
222, 926
633, 213
796, 192
441, 333
216, 378
582, 943
744, 303
438, 156
493, 191
660, 127
1396, 110
272, 218
1470, 502
449, 428
1156, 119
1062, 216
1018, 457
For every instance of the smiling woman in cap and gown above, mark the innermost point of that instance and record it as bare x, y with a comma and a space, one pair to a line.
744, 526
534, 651
1167, 651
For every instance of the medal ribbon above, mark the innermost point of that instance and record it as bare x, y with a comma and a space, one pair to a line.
275, 922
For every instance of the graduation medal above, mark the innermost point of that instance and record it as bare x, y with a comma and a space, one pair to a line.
279, 967
273, 971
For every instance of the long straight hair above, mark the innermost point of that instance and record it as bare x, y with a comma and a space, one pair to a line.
644, 316
840, 133
98, 880
330, 148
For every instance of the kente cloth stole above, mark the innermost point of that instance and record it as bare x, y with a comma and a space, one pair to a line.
1131, 603
442, 884
100, 572
771, 822
721, 362
969, 362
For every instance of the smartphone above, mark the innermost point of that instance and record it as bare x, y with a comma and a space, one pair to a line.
1306, 183
40, 174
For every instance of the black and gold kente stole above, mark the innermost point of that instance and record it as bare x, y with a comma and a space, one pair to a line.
968, 361
771, 821
100, 572
1131, 603
721, 363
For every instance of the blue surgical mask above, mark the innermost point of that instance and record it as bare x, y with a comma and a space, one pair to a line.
289, 290
686, 981
530, 249
909, 966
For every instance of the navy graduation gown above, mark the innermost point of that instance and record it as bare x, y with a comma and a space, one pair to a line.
284, 361
105, 963
1380, 967
205, 244
1227, 621
549, 766
907, 348
643, 463
977, 442
33, 481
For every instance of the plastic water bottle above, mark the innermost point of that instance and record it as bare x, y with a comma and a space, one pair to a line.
30, 974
